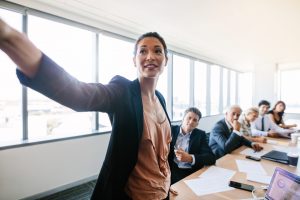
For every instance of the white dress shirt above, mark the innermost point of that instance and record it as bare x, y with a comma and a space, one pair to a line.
256, 127
183, 141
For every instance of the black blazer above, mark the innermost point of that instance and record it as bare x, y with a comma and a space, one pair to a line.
197, 146
121, 99
223, 141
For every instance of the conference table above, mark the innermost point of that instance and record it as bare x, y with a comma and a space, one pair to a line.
229, 162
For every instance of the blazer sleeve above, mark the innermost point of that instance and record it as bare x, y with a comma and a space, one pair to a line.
204, 155
247, 142
225, 143
54, 82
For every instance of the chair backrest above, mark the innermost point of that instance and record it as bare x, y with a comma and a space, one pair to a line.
207, 137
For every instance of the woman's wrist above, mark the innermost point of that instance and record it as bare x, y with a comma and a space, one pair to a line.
5, 31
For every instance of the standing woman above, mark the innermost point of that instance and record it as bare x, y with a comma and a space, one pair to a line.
276, 115
136, 163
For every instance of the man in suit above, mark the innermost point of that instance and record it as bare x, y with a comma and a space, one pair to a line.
225, 135
189, 149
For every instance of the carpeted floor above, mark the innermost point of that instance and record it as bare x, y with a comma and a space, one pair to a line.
81, 192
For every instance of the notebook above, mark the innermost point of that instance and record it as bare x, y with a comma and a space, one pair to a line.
277, 156
284, 185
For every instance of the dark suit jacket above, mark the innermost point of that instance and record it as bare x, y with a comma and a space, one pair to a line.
121, 99
222, 141
197, 146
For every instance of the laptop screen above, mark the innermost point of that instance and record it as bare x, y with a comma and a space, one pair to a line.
284, 185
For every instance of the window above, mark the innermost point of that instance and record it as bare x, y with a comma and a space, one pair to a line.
115, 58
200, 85
162, 85
233, 87
245, 90
215, 89
181, 86
225, 89
288, 81
73, 49
10, 88
210, 87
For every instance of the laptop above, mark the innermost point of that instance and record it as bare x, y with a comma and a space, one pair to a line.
284, 186
276, 156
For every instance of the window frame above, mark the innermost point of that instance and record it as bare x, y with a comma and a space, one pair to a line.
25, 11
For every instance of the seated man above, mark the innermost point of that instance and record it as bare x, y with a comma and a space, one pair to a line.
190, 147
263, 125
226, 137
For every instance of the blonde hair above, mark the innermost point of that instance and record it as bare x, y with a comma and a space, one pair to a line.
251, 110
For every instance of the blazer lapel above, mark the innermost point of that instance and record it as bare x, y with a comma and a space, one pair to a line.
160, 98
192, 137
175, 134
137, 105
226, 128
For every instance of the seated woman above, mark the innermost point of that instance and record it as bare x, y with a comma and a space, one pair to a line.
276, 115
245, 119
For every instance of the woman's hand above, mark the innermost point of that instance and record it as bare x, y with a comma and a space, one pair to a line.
20, 49
262, 139
293, 125
4, 30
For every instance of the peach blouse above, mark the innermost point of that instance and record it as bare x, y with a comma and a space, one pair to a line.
150, 178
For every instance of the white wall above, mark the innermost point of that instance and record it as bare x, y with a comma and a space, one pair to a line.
264, 83
31, 170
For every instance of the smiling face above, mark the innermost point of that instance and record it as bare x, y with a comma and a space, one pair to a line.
150, 58
263, 109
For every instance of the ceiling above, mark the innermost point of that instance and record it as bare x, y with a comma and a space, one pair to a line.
239, 34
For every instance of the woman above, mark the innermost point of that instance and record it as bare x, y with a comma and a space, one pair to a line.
245, 119
136, 163
276, 115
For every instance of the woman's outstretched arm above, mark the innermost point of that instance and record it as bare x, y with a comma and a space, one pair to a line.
20, 49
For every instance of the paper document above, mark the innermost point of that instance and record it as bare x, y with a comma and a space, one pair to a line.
250, 167
259, 178
281, 148
250, 152
272, 141
218, 172
204, 186
213, 180
286, 149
